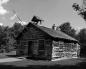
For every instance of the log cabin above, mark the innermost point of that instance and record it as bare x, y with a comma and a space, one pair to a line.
40, 42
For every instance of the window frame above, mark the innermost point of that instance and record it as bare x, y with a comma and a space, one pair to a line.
43, 44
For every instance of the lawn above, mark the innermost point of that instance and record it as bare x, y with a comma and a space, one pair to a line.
75, 63
33, 64
6, 55
26, 62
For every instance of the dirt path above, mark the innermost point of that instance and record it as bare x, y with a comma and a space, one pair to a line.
2, 60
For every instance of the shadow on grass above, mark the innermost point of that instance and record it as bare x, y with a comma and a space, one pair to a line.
78, 66
36, 67
33, 58
12, 56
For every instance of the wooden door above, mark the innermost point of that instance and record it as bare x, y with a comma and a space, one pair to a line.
30, 47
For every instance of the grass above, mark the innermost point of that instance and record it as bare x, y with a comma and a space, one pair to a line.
3, 56
27, 62
6, 55
41, 64
79, 63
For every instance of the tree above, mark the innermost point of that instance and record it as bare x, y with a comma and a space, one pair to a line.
66, 28
82, 39
81, 11
3, 37
13, 32
8, 36
82, 34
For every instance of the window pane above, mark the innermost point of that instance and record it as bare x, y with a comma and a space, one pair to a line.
41, 44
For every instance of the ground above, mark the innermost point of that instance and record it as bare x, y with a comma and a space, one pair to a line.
17, 62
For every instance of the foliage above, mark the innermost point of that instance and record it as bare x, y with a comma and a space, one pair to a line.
81, 36
81, 11
66, 28
8, 36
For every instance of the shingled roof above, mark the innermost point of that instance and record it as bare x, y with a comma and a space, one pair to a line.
53, 33
56, 33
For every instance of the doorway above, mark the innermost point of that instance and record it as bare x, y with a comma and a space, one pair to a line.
30, 46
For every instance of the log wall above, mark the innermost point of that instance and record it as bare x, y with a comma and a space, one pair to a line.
35, 35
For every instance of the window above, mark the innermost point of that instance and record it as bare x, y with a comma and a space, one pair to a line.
41, 48
41, 44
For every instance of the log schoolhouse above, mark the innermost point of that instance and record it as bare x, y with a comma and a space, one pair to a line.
45, 43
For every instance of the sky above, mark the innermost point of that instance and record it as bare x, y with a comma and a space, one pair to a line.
51, 11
